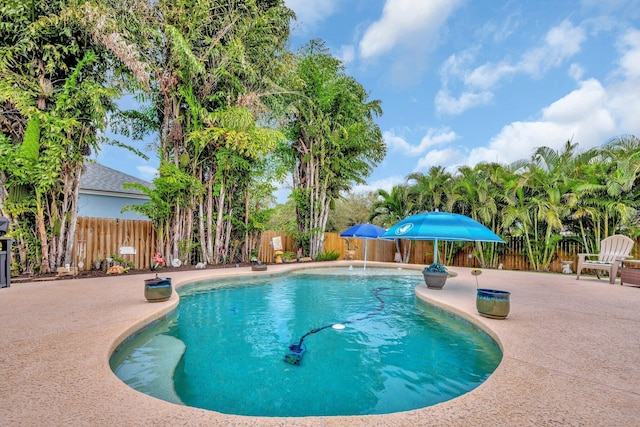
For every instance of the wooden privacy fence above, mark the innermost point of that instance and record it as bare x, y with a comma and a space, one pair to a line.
99, 238
512, 254
266, 253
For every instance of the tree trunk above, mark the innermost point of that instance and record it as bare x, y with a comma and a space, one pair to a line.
175, 232
42, 235
218, 247
245, 247
202, 232
209, 237
73, 220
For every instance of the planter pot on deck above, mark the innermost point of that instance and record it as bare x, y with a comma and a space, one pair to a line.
157, 289
258, 267
492, 303
434, 280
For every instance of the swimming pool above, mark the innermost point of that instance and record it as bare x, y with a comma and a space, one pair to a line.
223, 347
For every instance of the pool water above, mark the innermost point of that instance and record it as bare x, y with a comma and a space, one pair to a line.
395, 353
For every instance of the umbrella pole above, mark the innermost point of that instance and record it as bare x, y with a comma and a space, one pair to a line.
435, 251
366, 249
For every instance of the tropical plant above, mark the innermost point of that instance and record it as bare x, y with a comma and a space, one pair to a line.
555, 195
334, 141
435, 267
430, 190
389, 208
216, 64
56, 92
327, 256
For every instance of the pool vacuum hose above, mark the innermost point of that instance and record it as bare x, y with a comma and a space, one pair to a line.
294, 356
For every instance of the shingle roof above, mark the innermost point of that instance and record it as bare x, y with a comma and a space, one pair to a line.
101, 178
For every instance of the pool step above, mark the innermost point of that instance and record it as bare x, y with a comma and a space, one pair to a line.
141, 368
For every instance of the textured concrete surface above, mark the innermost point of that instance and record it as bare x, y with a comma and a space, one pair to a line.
571, 355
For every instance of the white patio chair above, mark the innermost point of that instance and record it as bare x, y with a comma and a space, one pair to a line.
613, 249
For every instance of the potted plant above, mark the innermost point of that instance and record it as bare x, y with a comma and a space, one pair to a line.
256, 264
435, 275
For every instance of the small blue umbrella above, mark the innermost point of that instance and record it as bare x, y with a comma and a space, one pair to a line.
364, 231
441, 226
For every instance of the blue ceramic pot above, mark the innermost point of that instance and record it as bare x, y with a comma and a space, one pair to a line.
492, 303
157, 289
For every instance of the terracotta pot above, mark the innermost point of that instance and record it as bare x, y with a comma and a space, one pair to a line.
434, 280
492, 303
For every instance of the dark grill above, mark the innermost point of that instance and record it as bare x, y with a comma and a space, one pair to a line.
4, 225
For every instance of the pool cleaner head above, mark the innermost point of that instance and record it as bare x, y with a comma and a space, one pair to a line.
294, 357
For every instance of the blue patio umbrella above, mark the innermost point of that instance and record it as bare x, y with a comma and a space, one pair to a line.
364, 231
441, 226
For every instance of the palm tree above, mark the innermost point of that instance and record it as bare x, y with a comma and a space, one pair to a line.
607, 192
335, 141
392, 207
430, 190
547, 182
473, 195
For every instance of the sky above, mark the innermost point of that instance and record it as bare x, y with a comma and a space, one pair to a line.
463, 82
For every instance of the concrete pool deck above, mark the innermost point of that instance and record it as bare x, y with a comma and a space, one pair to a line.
571, 354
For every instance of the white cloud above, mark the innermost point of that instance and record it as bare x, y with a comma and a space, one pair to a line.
447, 104
504, 32
576, 72
589, 115
432, 137
517, 141
446, 156
624, 98
488, 75
578, 104
630, 60
582, 116
625, 104
560, 43
346, 54
455, 66
310, 13
405, 23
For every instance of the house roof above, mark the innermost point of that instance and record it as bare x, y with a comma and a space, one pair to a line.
99, 179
